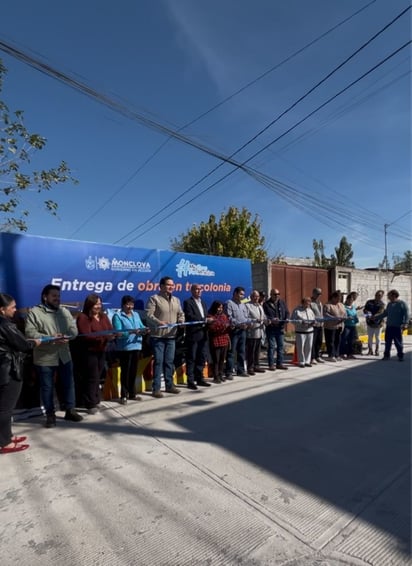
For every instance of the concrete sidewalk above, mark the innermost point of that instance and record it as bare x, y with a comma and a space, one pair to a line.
302, 467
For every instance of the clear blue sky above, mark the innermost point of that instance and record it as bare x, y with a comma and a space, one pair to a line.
172, 60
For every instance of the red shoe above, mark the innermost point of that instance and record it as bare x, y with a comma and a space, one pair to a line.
15, 448
18, 439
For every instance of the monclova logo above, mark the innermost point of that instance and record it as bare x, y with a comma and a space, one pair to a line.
104, 263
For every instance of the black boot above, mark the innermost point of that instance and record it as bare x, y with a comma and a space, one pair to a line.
72, 415
50, 420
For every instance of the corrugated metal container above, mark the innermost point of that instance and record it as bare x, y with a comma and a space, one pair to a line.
293, 282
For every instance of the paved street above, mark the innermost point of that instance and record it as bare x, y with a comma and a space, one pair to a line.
301, 468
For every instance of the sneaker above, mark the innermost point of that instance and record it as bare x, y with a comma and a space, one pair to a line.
320, 361
339, 359
157, 394
72, 415
331, 359
123, 401
50, 420
173, 390
314, 362
135, 398
192, 385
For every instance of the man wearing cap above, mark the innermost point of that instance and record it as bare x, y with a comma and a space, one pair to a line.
317, 308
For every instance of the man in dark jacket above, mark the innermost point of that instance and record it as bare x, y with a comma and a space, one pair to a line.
372, 308
195, 310
277, 314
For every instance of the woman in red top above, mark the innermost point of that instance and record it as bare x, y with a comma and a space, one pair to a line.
219, 339
93, 319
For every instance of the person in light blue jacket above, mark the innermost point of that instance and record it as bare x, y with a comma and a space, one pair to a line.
349, 334
128, 347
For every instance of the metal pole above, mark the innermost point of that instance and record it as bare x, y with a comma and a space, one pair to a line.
385, 262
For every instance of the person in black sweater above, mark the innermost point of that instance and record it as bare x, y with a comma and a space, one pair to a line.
13, 346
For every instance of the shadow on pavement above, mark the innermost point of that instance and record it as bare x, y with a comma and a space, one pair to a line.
343, 437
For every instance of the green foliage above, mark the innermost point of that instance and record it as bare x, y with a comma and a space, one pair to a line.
319, 257
343, 255
17, 145
403, 263
235, 234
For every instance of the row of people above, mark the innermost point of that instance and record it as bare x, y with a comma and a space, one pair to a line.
340, 320
233, 332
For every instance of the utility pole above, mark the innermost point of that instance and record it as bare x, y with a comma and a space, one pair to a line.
385, 259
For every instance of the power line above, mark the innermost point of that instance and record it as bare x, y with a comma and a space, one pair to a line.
259, 176
131, 114
269, 125
368, 215
215, 107
144, 120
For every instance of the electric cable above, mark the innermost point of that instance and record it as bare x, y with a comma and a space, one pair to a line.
254, 173
269, 125
212, 109
142, 119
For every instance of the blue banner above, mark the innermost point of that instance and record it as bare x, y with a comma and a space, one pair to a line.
28, 263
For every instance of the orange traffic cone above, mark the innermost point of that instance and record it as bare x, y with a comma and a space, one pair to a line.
295, 357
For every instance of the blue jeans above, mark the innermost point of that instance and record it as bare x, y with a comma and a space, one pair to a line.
164, 355
274, 336
238, 345
347, 339
46, 378
393, 333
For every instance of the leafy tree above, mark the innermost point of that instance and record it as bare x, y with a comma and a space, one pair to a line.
344, 253
17, 145
319, 257
403, 263
235, 234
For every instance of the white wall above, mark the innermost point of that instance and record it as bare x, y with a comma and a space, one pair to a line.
367, 282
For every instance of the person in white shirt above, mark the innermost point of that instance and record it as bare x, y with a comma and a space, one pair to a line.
304, 320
